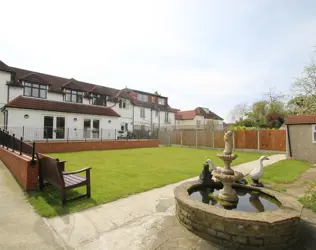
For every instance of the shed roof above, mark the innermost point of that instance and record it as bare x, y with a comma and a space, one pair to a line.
300, 119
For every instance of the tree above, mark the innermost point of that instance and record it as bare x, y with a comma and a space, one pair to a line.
304, 88
259, 112
238, 112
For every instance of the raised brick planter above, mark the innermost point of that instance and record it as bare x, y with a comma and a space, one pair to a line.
21, 168
278, 229
75, 146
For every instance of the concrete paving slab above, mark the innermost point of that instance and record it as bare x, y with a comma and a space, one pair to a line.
20, 226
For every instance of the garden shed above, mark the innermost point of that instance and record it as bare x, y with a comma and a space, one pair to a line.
301, 137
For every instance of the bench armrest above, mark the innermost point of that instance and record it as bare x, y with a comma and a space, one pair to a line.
78, 171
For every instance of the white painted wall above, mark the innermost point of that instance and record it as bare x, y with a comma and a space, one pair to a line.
15, 92
34, 125
54, 96
125, 113
191, 123
138, 120
4, 78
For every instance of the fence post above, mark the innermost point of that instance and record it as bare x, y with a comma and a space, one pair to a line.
33, 152
114, 134
13, 142
181, 138
23, 132
21, 145
8, 138
213, 139
101, 134
258, 139
196, 139
67, 134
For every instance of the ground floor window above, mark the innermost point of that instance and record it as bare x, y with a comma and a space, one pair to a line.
96, 128
54, 127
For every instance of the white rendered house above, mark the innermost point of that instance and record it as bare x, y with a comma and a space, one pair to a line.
199, 118
39, 106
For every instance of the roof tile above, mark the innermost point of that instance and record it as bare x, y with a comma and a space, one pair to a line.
68, 107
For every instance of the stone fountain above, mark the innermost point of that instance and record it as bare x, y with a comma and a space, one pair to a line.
226, 175
237, 216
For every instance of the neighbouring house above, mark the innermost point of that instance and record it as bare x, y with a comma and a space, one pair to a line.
150, 111
199, 118
301, 137
42, 106
229, 125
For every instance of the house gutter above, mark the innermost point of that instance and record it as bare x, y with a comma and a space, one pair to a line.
289, 139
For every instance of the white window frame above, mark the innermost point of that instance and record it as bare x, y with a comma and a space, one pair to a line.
198, 123
122, 104
166, 117
313, 132
142, 97
142, 112
161, 101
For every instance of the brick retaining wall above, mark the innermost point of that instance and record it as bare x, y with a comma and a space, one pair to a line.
73, 146
21, 168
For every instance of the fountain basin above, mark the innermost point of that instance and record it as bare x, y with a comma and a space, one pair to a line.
275, 229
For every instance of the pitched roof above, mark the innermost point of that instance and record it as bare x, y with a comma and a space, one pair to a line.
5, 67
208, 114
190, 114
34, 78
186, 115
300, 119
129, 95
58, 83
68, 107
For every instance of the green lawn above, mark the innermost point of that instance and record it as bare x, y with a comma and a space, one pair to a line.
119, 173
285, 171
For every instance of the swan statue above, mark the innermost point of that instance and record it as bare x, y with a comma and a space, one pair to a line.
257, 173
209, 161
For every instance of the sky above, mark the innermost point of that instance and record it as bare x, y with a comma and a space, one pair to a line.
213, 54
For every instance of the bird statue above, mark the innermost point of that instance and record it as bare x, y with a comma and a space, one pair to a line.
257, 173
209, 161
206, 175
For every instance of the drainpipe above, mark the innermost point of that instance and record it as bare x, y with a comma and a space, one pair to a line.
289, 139
133, 121
8, 93
159, 119
151, 119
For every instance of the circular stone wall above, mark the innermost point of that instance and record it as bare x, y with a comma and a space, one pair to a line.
278, 229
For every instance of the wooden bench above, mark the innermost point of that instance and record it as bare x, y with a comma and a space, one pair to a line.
53, 171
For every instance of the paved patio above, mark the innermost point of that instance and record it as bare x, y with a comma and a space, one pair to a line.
142, 221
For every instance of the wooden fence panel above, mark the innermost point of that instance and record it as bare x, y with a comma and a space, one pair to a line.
246, 139
189, 137
273, 140
205, 139
219, 139
163, 137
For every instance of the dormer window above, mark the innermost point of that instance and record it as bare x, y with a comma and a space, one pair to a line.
122, 104
142, 97
161, 101
35, 90
99, 100
73, 96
